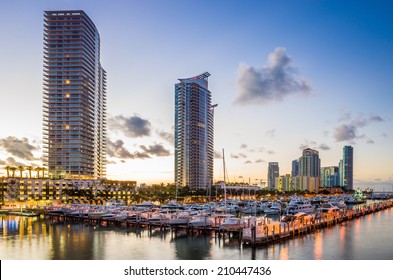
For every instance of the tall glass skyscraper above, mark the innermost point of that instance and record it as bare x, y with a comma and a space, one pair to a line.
273, 172
74, 97
347, 168
194, 147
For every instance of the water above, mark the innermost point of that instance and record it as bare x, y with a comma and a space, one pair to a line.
366, 238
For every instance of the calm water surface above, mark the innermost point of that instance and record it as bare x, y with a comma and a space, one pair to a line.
366, 238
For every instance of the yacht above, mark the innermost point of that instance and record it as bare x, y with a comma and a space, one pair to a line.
302, 208
146, 204
201, 221
327, 207
232, 223
182, 218
298, 218
274, 209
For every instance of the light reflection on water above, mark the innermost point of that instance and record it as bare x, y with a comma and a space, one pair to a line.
366, 238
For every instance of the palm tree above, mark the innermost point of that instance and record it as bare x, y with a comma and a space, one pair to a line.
37, 169
13, 169
8, 168
21, 169
29, 168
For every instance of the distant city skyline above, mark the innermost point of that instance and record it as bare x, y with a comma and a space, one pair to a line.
287, 76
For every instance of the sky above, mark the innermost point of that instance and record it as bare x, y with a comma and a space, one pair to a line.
286, 75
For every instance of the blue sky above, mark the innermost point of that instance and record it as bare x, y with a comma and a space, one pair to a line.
286, 75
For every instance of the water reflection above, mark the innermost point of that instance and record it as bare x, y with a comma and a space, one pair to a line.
318, 246
33, 238
193, 247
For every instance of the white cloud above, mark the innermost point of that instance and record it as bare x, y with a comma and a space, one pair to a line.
273, 82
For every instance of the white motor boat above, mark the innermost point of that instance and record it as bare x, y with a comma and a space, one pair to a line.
181, 219
232, 224
298, 218
201, 221
274, 209
327, 207
303, 208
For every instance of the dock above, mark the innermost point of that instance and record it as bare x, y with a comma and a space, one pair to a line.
262, 233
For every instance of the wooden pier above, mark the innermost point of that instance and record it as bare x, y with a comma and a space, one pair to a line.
267, 233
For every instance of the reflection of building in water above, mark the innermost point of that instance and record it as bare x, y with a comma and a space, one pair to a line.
72, 242
193, 247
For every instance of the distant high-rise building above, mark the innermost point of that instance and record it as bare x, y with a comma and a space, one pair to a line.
272, 173
295, 168
309, 170
348, 167
341, 172
194, 147
74, 97
309, 163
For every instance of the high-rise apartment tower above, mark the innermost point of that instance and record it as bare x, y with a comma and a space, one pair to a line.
347, 168
272, 173
74, 97
193, 132
309, 163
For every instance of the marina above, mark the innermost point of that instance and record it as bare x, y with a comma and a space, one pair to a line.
249, 230
43, 239
193, 224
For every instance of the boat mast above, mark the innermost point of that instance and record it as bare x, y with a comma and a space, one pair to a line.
223, 160
225, 187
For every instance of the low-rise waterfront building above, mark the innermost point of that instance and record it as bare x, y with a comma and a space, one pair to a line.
49, 190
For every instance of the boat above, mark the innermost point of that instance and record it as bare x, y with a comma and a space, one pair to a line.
146, 204
357, 198
180, 219
295, 219
274, 209
159, 218
232, 223
201, 221
301, 208
327, 207
23, 213
172, 206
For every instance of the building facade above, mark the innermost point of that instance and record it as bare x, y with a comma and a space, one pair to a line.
330, 176
74, 97
283, 183
309, 163
347, 168
272, 173
46, 191
194, 146
309, 171
295, 168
